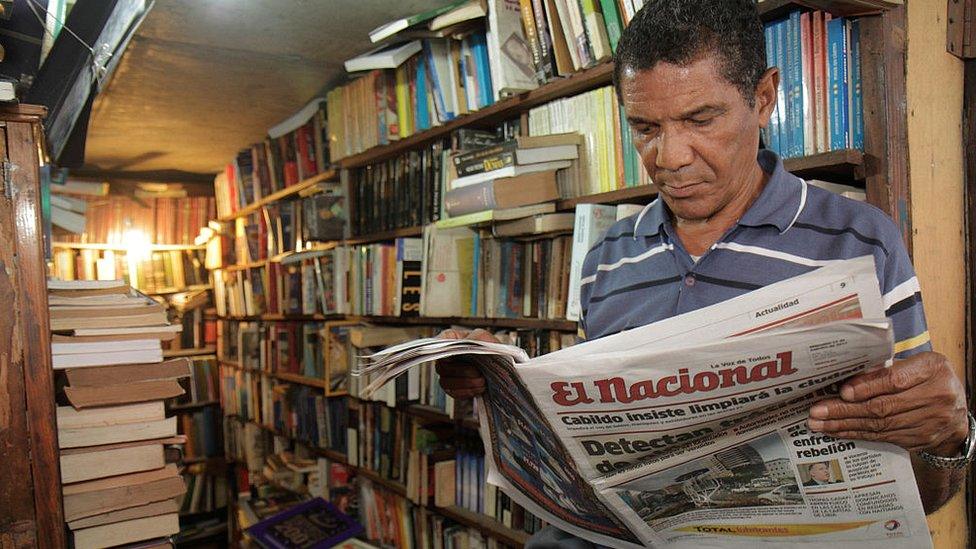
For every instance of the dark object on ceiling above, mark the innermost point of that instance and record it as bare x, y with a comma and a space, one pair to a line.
72, 75
21, 35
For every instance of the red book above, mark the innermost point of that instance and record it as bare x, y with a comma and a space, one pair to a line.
820, 94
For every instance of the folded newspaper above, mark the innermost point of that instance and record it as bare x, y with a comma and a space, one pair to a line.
691, 432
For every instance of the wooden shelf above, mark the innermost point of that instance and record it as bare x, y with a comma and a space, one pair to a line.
121, 248
483, 523
299, 379
176, 353
642, 194
845, 163
505, 109
386, 235
517, 323
771, 10
283, 193
190, 406
171, 291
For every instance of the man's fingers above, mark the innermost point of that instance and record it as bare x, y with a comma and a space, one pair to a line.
901, 376
877, 407
453, 333
481, 335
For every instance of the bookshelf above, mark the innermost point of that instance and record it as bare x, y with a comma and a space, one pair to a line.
880, 167
102, 247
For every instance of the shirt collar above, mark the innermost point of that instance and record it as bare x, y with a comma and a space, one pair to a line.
778, 205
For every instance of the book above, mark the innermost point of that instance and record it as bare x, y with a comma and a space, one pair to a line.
315, 523
69, 418
505, 192
511, 171
522, 150
78, 360
111, 375
124, 393
148, 510
157, 318
128, 531
509, 55
387, 30
101, 434
384, 57
837, 47
592, 222
503, 214
471, 9
97, 497
79, 464
536, 225
80, 347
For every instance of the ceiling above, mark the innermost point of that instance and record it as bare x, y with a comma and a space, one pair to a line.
203, 78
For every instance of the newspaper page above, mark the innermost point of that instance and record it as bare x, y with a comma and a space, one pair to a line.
606, 439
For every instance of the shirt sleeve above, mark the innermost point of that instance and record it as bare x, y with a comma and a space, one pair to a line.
902, 298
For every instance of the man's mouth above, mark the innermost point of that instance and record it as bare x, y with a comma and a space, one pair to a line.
682, 190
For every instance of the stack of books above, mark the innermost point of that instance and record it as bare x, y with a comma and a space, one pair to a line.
523, 171
116, 442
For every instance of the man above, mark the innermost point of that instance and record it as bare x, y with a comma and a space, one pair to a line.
819, 472
693, 81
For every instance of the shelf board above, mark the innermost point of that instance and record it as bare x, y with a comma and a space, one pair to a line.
171, 291
484, 523
192, 405
385, 235
121, 248
526, 323
586, 80
641, 193
175, 353
298, 379
844, 163
293, 190
770, 10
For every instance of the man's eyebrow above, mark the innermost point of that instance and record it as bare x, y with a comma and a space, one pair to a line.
703, 110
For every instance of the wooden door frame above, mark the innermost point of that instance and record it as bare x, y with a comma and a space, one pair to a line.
969, 182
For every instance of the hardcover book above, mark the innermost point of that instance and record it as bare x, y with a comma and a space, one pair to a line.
314, 524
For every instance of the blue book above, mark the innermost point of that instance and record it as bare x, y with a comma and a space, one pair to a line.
479, 47
857, 98
837, 84
421, 111
779, 48
627, 144
795, 98
434, 76
771, 135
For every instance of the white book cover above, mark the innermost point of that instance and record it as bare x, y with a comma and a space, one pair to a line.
105, 347
61, 362
58, 284
592, 222
508, 50
509, 171
385, 57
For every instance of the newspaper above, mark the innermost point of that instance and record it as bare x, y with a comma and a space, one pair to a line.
691, 432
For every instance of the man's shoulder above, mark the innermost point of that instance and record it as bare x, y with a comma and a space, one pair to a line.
618, 239
830, 213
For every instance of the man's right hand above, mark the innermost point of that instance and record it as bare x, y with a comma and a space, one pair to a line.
461, 378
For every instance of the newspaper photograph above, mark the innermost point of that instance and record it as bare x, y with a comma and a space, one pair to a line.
691, 431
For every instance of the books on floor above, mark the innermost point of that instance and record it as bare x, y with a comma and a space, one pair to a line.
114, 437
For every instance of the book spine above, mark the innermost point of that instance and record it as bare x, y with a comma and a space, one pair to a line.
771, 133
822, 124
470, 199
857, 97
545, 39
612, 19
596, 30
779, 36
806, 85
838, 84
795, 110
531, 33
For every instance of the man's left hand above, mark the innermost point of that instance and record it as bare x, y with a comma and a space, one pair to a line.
918, 404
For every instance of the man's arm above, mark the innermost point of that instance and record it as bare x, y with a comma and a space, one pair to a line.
918, 404
458, 377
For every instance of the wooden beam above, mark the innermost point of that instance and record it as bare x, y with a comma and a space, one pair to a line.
969, 175
148, 176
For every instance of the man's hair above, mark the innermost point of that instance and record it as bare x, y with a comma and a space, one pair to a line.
681, 32
811, 465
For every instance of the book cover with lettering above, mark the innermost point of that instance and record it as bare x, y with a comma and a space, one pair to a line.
312, 525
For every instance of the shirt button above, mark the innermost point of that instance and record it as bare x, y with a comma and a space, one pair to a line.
689, 280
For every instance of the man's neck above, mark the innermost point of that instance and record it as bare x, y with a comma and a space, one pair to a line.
698, 235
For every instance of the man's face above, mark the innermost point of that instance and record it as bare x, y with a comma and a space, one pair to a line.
696, 134
820, 472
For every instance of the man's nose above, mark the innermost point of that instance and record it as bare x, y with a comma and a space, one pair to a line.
673, 151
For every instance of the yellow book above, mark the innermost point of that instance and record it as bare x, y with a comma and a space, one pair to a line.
404, 110
597, 104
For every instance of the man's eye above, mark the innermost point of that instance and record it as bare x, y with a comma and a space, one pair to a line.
647, 130
702, 121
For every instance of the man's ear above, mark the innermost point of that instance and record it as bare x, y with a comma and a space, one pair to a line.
766, 95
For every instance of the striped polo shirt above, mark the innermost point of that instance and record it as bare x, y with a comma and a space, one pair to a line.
640, 273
